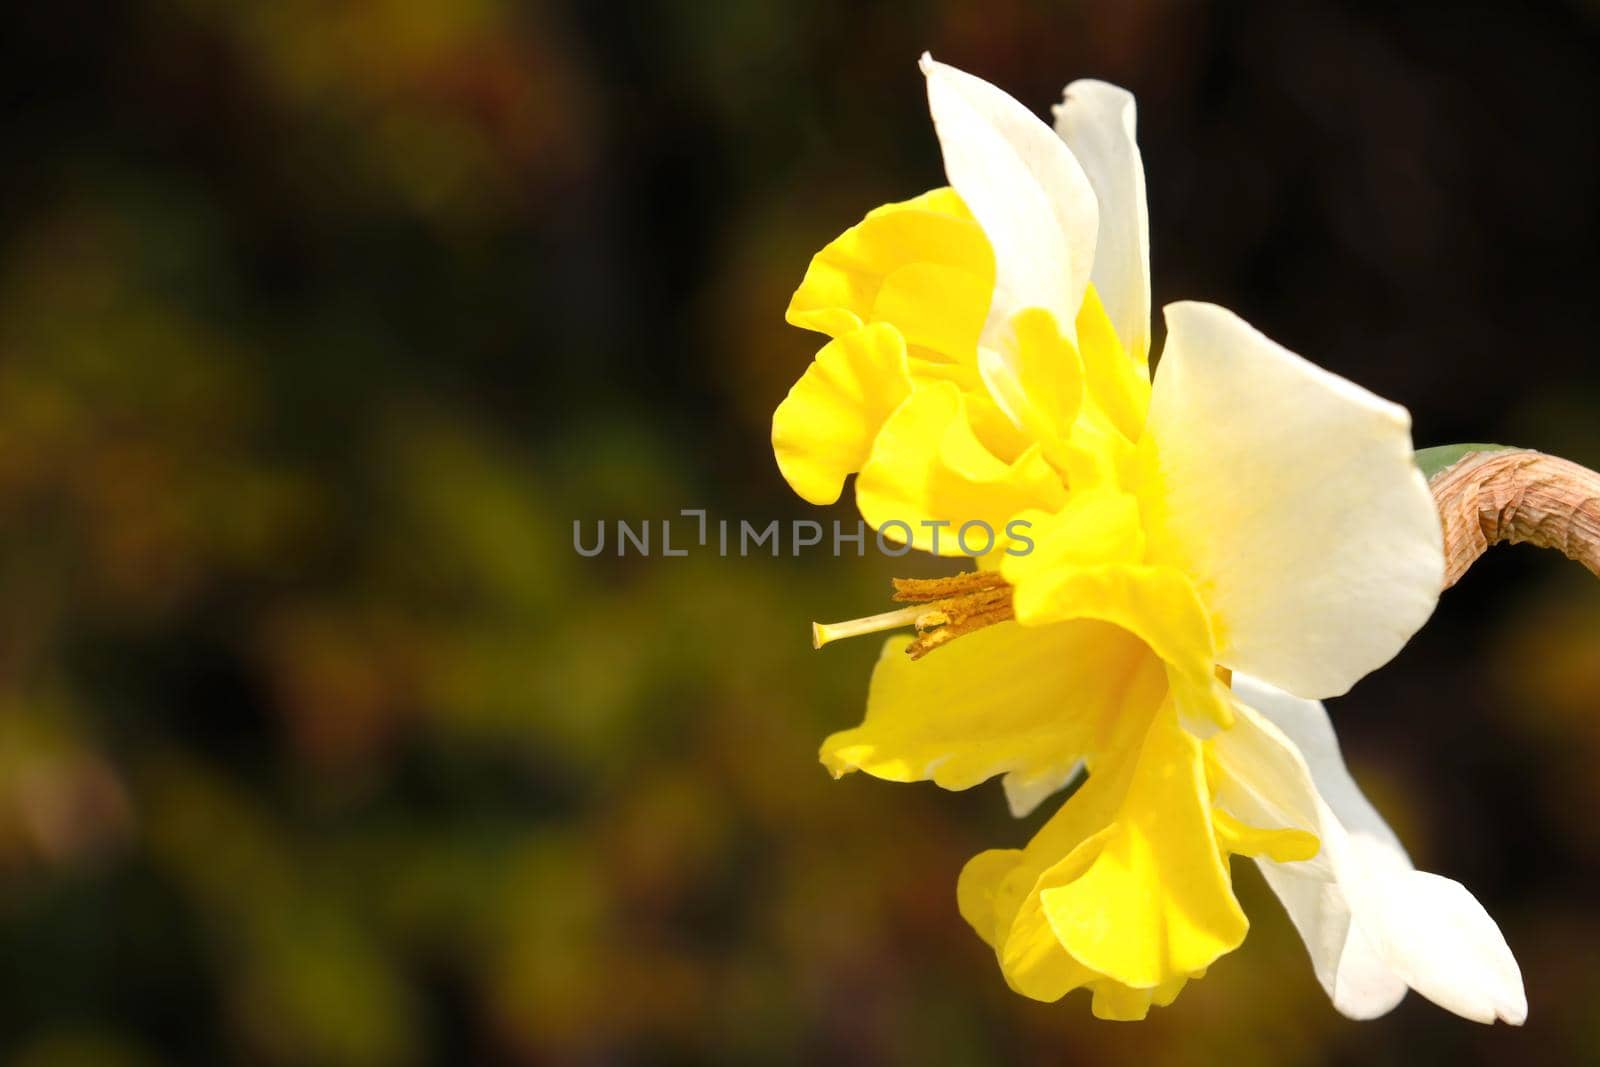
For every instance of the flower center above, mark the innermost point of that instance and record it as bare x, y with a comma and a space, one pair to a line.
941, 609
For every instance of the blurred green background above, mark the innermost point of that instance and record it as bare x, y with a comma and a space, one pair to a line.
320, 323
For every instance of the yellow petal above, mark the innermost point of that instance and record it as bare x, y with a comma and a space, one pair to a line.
922, 265
992, 426
1004, 882
928, 466
977, 889
1036, 377
1117, 386
1032, 957
1126, 889
936, 305
1158, 604
1280, 844
1119, 1003
823, 430
1003, 699
1156, 902
941, 201
1096, 527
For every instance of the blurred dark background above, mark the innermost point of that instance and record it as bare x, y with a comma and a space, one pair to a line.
320, 322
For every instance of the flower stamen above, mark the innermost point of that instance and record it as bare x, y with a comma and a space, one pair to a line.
942, 610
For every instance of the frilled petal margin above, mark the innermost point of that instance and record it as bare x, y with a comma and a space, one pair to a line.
823, 430
922, 264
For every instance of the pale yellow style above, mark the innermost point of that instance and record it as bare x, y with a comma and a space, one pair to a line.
1246, 512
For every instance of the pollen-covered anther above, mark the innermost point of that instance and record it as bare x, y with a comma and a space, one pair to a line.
941, 610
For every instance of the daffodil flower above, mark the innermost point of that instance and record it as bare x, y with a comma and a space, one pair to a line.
1213, 552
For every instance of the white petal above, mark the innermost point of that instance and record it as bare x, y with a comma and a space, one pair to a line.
1267, 782
1097, 122
1364, 987
1026, 190
1295, 502
1434, 935
1355, 978
1358, 981
1307, 726
1372, 923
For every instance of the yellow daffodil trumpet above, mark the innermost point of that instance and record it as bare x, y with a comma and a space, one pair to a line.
1216, 547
